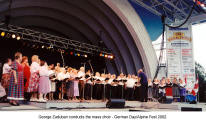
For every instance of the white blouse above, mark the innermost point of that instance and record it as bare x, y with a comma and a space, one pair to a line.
43, 71
6, 68
130, 82
35, 67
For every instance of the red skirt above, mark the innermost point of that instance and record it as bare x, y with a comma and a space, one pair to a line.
169, 91
33, 83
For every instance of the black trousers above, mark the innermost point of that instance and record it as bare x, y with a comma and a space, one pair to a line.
114, 91
108, 91
88, 90
120, 93
137, 93
99, 91
129, 93
144, 93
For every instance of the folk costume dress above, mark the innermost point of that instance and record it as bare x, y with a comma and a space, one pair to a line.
16, 91
34, 79
6, 76
44, 82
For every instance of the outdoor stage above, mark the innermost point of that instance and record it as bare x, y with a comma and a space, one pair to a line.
97, 105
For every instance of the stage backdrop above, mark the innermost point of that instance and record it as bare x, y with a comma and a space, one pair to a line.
180, 58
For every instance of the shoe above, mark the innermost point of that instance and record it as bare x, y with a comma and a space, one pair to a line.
41, 100
32, 100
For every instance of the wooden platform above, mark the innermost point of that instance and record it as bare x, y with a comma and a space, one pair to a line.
93, 104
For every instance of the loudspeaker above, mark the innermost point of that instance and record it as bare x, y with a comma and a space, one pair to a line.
116, 103
190, 109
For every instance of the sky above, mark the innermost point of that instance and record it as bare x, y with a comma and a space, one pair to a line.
199, 44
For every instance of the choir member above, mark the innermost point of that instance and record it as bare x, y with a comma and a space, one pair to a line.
121, 86
168, 88
102, 87
156, 88
175, 90
114, 89
2, 94
97, 85
44, 82
61, 76
129, 87
27, 75
70, 90
34, 79
52, 77
144, 85
6, 74
137, 89
182, 86
16, 84
68, 80
81, 78
76, 87
162, 92
108, 82
88, 86
150, 90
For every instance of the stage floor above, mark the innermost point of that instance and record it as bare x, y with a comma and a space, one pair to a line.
98, 105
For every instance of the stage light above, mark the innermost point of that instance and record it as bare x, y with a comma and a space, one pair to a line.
3, 34
75, 54
42, 46
100, 54
106, 56
18, 37
112, 57
78, 54
71, 53
85, 56
13, 36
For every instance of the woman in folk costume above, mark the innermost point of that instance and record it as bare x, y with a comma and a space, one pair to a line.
27, 75
16, 84
52, 78
76, 85
34, 79
182, 86
162, 91
70, 90
44, 82
6, 74
175, 90
2, 94
156, 88
150, 90
168, 88
81, 77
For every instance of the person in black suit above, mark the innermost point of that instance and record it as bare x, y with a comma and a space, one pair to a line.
144, 86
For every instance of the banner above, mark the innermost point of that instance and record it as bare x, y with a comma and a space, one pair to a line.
180, 58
